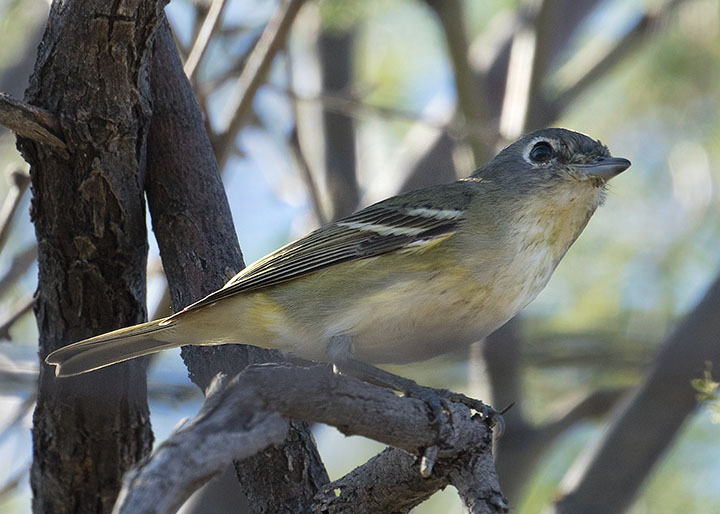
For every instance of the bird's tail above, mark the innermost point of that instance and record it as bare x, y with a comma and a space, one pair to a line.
111, 348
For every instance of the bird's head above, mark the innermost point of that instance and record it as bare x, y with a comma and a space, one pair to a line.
546, 186
553, 158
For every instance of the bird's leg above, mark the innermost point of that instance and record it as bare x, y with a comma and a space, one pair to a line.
340, 350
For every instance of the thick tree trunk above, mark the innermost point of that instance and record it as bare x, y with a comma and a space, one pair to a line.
88, 210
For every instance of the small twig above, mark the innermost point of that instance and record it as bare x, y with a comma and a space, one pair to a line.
14, 481
25, 306
305, 171
254, 73
307, 176
20, 181
202, 40
354, 107
594, 405
29, 121
351, 106
211, 84
21, 262
21, 411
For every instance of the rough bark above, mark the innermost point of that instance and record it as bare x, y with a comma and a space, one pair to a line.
88, 210
200, 251
227, 426
197, 451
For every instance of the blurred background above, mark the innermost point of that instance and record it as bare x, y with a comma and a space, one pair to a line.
364, 99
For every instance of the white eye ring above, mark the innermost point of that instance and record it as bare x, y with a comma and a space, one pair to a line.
535, 143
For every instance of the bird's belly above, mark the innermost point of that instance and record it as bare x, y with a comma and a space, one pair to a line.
403, 324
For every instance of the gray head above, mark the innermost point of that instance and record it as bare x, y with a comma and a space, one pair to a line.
550, 157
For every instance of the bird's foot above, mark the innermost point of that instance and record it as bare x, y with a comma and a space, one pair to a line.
438, 401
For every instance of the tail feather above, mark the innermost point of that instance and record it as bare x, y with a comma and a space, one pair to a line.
111, 348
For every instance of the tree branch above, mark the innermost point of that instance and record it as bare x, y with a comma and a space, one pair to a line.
21, 262
252, 76
306, 173
89, 217
31, 122
356, 407
609, 481
223, 430
335, 53
530, 54
202, 40
20, 181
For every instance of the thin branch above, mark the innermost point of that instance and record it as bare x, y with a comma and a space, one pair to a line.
307, 176
253, 75
588, 350
211, 84
519, 78
21, 412
21, 262
306, 172
19, 181
502, 354
209, 26
31, 122
351, 106
530, 53
594, 405
26, 306
14, 481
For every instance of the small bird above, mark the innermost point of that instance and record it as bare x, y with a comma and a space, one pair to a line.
417, 275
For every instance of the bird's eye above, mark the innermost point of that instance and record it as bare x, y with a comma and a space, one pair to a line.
541, 152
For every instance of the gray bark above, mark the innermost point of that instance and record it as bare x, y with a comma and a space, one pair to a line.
88, 211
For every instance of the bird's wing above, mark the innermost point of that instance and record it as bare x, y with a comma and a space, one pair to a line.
387, 226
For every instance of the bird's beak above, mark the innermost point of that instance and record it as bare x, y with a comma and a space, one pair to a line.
605, 168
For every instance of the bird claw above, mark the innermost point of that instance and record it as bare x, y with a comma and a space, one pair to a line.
436, 403
438, 400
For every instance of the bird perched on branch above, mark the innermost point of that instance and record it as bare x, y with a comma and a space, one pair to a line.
414, 276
